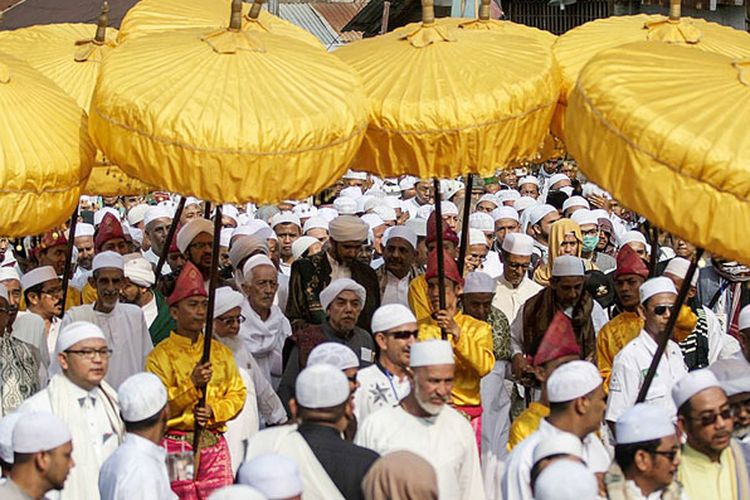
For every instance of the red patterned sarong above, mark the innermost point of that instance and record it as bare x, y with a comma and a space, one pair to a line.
214, 469
475, 419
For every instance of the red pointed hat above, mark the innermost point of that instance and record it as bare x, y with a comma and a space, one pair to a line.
559, 340
449, 267
448, 233
629, 262
189, 284
51, 238
173, 246
109, 229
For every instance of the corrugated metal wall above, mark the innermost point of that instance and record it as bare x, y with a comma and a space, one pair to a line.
540, 14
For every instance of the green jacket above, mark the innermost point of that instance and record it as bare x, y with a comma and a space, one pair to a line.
163, 324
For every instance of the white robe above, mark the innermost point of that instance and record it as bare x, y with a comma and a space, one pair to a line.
396, 290
378, 389
127, 335
244, 426
509, 300
446, 441
136, 470
265, 339
151, 256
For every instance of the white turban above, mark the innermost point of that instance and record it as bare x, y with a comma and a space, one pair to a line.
255, 261
348, 228
333, 290
226, 299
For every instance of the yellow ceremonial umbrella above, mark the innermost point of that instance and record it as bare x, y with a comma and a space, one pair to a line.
70, 55
675, 152
228, 115
152, 16
574, 48
45, 151
447, 101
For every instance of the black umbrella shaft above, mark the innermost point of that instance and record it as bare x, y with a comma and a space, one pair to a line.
465, 224
68, 259
440, 250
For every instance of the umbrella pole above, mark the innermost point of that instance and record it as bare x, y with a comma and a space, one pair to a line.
207, 211
465, 224
440, 250
170, 238
208, 334
68, 258
654, 258
384, 20
662, 342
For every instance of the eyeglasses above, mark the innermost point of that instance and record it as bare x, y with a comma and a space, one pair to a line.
352, 379
201, 245
53, 291
404, 334
90, 354
661, 309
232, 320
670, 455
706, 420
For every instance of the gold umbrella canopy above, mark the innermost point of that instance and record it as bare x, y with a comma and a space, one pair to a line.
576, 47
42, 167
447, 101
640, 127
228, 115
152, 16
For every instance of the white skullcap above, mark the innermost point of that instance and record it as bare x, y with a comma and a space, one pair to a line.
448, 208
357, 176
479, 282
4, 293
391, 316
554, 179
9, 273
425, 211
644, 422
237, 492
572, 380
38, 276
345, 206
99, 214
301, 244
568, 265
226, 300
334, 354
732, 374
418, 225
403, 232
584, 217
329, 293
328, 214
39, 431
365, 200
370, 202
321, 386
385, 212
539, 212
431, 352
352, 192
563, 443
230, 211
84, 229
154, 213
477, 237
7, 424
600, 213
566, 480
141, 396
407, 183
576, 201
744, 319
679, 267
170, 205
372, 220
507, 195
139, 271
137, 214
285, 218
656, 285
254, 227
255, 261
225, 237
504, 213
75, 332
191, 200
392, 202
524, 203
275, 476
632, 237
449, 187
489, 198
347, 228
482, 221
107, 260
518, 244
189, 231
315, 222
529, 179
693, 383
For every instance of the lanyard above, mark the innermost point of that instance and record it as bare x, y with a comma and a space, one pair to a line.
389, 376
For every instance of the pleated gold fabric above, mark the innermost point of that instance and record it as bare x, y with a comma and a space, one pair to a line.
152, 16
446, 101
109, 180
501, 27
45, 151
576, 47
642, 125
228, 116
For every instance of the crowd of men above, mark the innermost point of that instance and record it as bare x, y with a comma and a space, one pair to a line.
340, 368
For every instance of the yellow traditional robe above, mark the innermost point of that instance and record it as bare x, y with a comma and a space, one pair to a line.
419, 301
612, 338
527, 423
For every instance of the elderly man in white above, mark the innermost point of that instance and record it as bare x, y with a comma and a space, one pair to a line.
424, 423
137, 470
85, 402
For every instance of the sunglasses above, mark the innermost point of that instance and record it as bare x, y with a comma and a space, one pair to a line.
670, 455
662, 309
706, 420
404, 334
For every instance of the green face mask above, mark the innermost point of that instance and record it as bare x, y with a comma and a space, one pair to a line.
589, 243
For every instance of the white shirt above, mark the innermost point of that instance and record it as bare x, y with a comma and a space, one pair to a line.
509, 300
378, 388
516, 483
720, 344
396, 290
127, 335
151, 256
150, 311
412, 206
446, 441
137, 470
629, 371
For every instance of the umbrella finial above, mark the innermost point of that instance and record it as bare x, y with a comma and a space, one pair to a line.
235, 21
428, 12
255, 9
743, 68
675, 10
484, 10
101, 23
